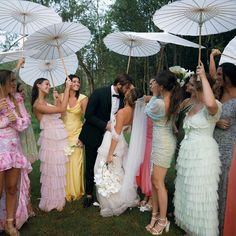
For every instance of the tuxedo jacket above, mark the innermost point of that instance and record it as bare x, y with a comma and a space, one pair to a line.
96, 117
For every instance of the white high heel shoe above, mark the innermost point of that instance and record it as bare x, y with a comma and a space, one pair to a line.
164, 226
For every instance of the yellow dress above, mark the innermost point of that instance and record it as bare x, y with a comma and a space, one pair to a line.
75, 166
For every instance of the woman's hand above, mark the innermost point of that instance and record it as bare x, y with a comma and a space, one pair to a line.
79, 143
201, 71
146, 98
108, 126
68, 83
223, 124
215, 52
20, 63
3, 104
11, 116
55, 94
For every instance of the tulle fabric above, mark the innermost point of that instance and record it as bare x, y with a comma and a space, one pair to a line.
144, 175
27, 138
28, 144
52, 141
198, 169
135, 153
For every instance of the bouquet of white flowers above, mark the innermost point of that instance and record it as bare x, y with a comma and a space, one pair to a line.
181, 74
107, 181
69, 150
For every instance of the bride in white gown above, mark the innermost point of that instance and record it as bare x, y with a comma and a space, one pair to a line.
110, 166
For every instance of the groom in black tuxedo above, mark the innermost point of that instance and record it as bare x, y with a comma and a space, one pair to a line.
102, 104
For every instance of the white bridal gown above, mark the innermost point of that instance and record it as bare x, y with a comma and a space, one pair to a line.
115, 204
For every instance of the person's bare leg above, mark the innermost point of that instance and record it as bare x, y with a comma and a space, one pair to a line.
159, 174
2, 173
155, 206
11, 179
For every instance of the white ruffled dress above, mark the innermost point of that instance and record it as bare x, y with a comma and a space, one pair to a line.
198, 169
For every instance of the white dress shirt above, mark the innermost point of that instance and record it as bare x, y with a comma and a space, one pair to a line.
115, 102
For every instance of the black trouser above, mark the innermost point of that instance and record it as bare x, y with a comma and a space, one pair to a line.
90, 155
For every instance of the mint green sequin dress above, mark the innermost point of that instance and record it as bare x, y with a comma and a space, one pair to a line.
164, 141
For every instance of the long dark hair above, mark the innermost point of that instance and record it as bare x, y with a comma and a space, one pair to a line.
18, 87
168, 80
4, 76
71, 76
229, 70
35, 90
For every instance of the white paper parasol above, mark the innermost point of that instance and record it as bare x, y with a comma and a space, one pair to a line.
197, 17
52, 70
24, 17
229, 53
58, 41
164, 38
15, 55
130, 45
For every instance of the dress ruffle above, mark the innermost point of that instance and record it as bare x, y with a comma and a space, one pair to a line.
198, 169
21, 215
53, 141
10, 160
11, 156
196, 198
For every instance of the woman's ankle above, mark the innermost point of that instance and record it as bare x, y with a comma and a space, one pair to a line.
10, 222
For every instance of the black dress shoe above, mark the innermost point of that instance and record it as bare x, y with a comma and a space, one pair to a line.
88, 201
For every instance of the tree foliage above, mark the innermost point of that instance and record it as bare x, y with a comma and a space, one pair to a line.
98, 65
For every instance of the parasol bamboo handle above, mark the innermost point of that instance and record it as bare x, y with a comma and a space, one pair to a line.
160, 63
130, 50
127, 70
62, 61
200, 43
64, 66
23, 44
53, 84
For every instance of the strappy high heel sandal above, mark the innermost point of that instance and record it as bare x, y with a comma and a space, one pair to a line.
162, 226
154, 219
12, 231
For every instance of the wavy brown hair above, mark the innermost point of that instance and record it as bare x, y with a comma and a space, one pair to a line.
132, 97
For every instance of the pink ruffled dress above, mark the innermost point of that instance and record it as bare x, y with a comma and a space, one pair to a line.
52, 141
11, 156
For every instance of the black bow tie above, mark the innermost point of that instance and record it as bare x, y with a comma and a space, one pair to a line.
116, 95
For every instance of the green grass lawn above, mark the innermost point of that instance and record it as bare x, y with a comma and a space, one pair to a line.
75, 220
